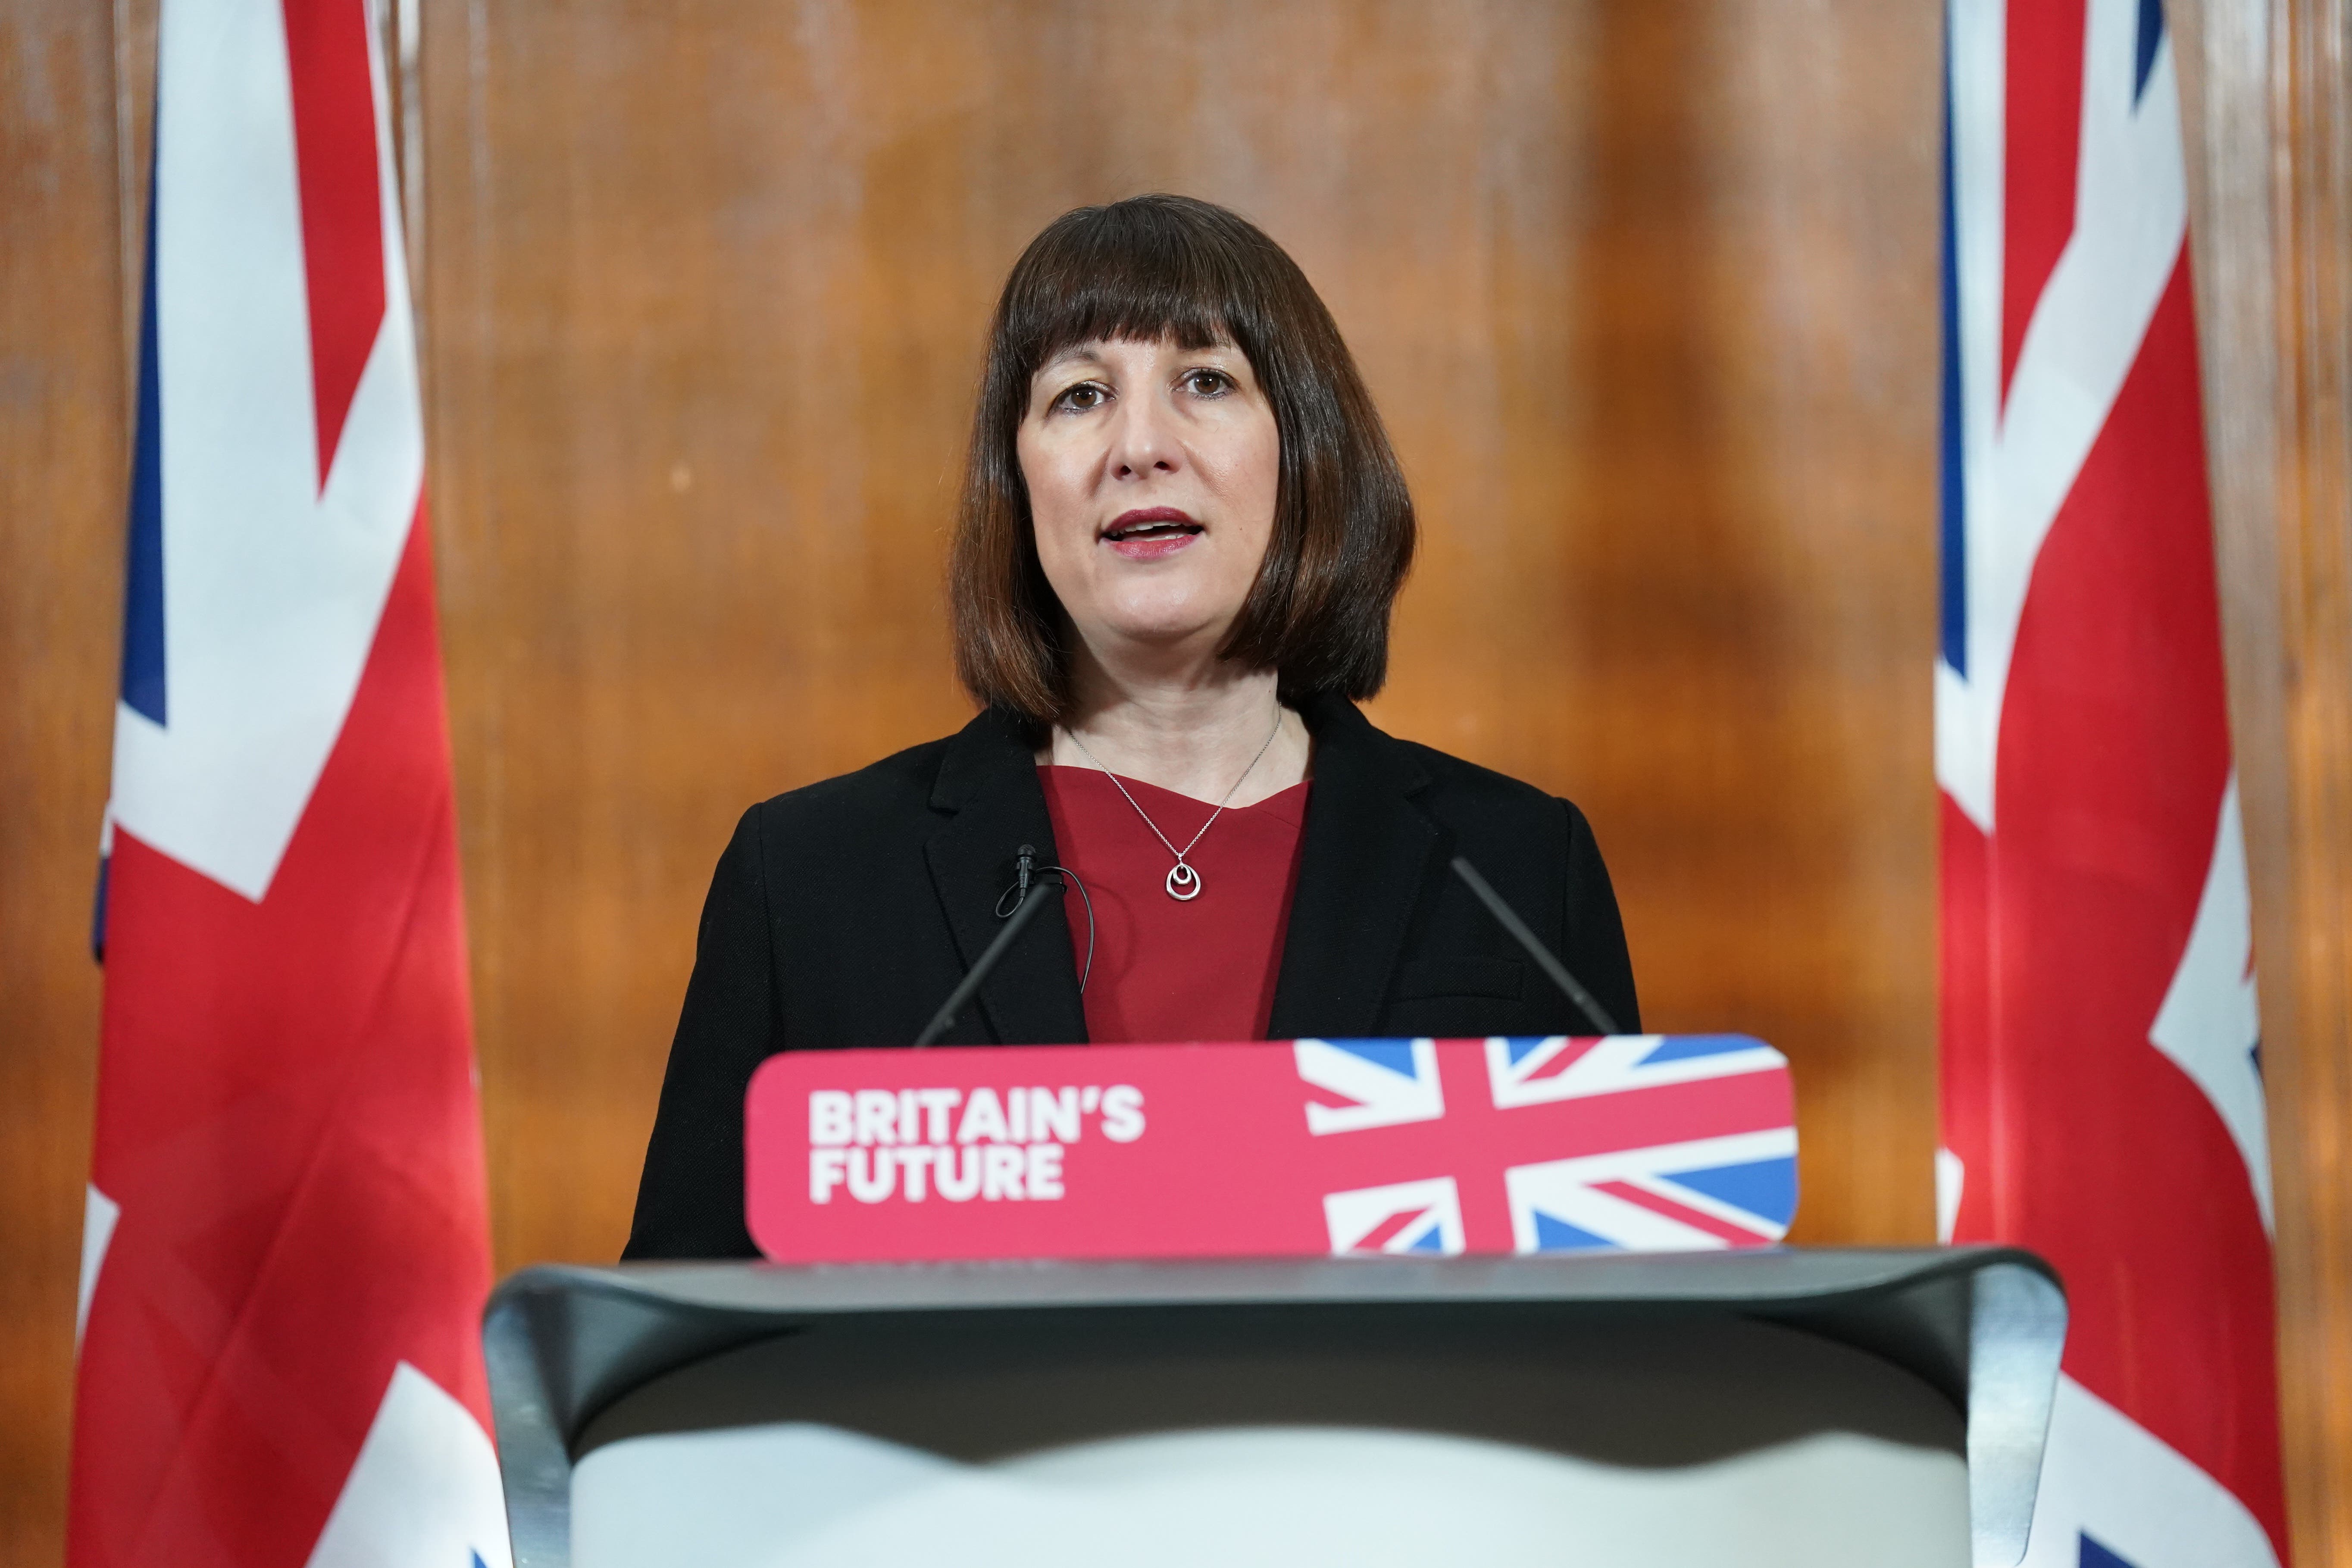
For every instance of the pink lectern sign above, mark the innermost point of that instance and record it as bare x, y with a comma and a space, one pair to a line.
1290, 1147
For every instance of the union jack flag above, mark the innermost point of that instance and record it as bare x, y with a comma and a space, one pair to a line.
285, 1246
2102, 1095
1672, 1143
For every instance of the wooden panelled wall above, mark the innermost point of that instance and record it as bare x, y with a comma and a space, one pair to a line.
1646, 293
2268, 87
1645, 289
63, 462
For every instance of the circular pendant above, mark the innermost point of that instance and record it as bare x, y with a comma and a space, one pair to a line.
1183, 883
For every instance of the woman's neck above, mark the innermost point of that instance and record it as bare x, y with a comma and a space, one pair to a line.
1194, 733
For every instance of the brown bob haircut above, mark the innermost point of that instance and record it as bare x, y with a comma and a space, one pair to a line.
1162, 267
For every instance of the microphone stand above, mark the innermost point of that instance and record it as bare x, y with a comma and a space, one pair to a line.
1508, 919
1021, 916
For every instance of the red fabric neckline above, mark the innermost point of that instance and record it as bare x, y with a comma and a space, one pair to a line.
1165, 969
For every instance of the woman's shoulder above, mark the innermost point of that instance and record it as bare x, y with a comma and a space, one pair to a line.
853, 820
897, 783
1460, 778
908, 786
1442, 781
1489, 817
1495, 816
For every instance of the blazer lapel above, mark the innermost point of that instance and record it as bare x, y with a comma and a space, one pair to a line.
988, 782
1369, 853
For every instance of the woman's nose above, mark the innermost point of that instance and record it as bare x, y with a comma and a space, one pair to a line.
1141, 442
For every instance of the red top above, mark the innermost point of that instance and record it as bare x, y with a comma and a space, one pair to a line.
1164, 970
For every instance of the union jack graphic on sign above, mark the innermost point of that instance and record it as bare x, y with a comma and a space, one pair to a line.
1641, 1143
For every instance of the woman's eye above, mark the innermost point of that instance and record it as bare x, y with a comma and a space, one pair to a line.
1081, 398
1207, 383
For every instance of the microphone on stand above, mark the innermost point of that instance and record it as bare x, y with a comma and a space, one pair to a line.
963, 993
1509, 920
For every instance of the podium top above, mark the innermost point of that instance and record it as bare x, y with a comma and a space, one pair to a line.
1982, 1325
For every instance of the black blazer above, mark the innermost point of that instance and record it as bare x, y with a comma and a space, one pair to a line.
841, 914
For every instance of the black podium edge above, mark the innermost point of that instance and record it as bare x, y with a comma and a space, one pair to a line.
1982, 1325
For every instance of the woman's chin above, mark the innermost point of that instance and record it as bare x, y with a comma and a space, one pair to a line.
1159, 630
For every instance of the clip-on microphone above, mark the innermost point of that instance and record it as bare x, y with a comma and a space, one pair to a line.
1509, 920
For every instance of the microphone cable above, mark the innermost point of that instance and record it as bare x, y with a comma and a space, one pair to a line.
1024, 869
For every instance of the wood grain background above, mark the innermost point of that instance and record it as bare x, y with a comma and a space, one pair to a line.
64, 458
1646, 289
2269, 111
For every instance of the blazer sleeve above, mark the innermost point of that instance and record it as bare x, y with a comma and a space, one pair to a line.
691, 1198
1592, 940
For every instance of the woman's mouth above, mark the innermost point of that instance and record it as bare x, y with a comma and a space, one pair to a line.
1150, 533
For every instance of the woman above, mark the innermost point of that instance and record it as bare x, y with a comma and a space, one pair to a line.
1181, 532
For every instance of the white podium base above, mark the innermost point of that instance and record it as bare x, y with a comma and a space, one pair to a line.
1629, 1444
1828, 1409
795, 1496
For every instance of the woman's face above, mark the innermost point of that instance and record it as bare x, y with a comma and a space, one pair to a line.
1151, 473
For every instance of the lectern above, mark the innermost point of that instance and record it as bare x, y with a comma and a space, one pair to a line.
1781, 1405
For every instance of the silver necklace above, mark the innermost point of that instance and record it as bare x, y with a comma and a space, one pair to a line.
1183, 882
